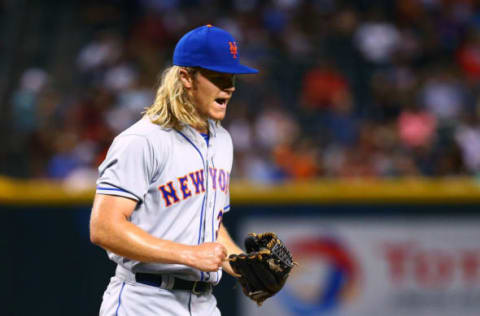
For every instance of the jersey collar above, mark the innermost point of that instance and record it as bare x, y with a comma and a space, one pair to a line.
196, 137
212, 127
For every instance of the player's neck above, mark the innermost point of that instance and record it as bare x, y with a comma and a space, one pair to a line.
202, 129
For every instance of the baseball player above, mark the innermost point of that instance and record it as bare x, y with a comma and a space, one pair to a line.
163, 187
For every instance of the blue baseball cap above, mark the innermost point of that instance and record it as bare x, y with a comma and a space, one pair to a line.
211, 48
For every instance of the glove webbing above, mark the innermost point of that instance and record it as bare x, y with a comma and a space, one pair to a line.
281, 253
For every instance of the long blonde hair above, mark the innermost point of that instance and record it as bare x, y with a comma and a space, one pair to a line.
172, 107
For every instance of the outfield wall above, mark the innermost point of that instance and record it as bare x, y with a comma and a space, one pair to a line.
410, 244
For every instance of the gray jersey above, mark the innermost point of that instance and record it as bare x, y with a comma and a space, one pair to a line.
180, 183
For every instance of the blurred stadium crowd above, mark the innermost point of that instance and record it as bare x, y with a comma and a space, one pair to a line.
346, 88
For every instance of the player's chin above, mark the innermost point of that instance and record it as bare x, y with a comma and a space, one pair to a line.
218, 115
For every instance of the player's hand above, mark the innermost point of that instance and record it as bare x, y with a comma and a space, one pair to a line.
208, 257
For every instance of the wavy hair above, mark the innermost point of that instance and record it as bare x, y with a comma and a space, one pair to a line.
172, 107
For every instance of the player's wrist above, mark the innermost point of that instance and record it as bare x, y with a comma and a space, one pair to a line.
186, 255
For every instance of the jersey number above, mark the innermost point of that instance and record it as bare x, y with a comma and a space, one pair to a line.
219, 218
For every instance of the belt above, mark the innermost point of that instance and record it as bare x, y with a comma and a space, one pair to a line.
196, 287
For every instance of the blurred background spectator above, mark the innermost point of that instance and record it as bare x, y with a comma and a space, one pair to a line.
346, 89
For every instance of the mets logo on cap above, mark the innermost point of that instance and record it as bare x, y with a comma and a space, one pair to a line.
233, 49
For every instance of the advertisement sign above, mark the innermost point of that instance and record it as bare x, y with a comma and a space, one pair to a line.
372, 267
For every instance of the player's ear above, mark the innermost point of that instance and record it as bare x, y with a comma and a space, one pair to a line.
186, 77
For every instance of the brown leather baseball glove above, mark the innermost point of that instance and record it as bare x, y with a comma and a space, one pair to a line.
264, 268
